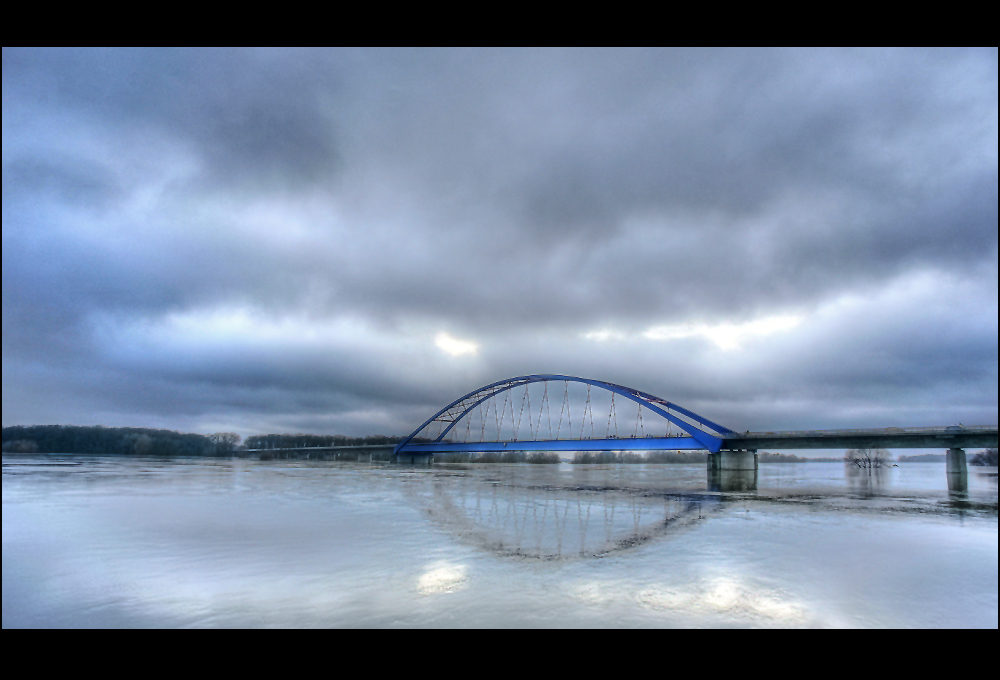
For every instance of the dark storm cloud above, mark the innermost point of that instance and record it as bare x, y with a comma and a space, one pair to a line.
249, 112
518, 198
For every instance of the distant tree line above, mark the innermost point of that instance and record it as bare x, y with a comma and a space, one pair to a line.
534, 458
923, 458
344, 456
987, 458
628, 458
114, 440
270, 442
765, 457
142, 441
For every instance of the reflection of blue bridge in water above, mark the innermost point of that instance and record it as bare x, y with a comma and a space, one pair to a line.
549, 522
496, 417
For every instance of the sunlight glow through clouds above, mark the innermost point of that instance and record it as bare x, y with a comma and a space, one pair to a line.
454, 346
726, 336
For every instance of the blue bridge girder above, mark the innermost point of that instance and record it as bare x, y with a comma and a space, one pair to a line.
702, 433
610, 444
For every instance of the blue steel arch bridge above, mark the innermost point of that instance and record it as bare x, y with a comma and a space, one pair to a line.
501, 417
566, 413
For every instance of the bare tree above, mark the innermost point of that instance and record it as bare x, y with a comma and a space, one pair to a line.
225, 442
870, 459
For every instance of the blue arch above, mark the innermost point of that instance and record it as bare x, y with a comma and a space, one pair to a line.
712, 442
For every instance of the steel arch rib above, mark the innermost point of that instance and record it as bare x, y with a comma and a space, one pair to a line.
710, 442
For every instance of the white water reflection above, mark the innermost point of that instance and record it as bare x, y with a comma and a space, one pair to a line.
442, 577
126, 542
727, 597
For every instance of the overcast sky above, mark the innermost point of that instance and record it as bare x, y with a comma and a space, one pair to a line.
344, 241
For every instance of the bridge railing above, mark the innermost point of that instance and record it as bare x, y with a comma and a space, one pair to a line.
970, 429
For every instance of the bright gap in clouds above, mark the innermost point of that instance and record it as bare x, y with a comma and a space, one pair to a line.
726, 336
454, 346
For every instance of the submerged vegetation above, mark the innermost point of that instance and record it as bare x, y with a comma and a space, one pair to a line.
869, 459
987, 458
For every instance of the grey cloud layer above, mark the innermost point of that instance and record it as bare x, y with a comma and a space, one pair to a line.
529, 195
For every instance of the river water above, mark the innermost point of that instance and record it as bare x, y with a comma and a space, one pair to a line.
111, 541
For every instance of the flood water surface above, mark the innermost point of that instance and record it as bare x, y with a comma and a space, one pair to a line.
108, 541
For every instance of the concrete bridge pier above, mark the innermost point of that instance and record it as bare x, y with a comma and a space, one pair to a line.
958, 471
733, 461
732, 480
958, 483
732, 471
956, 462
414, 458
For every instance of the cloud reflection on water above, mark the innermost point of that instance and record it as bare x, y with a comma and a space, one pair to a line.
442, 577
713, 601
729, 597
318, 544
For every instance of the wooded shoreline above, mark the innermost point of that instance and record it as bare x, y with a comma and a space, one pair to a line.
99, 440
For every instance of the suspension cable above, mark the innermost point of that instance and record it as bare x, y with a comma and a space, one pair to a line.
585, 405
607, 433
561, 410
520, 414
503, 413
482, 435
569, 412
548, 409
527, 396
541, 407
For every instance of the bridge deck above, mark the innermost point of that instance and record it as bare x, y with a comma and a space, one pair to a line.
887, 438
958, 437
